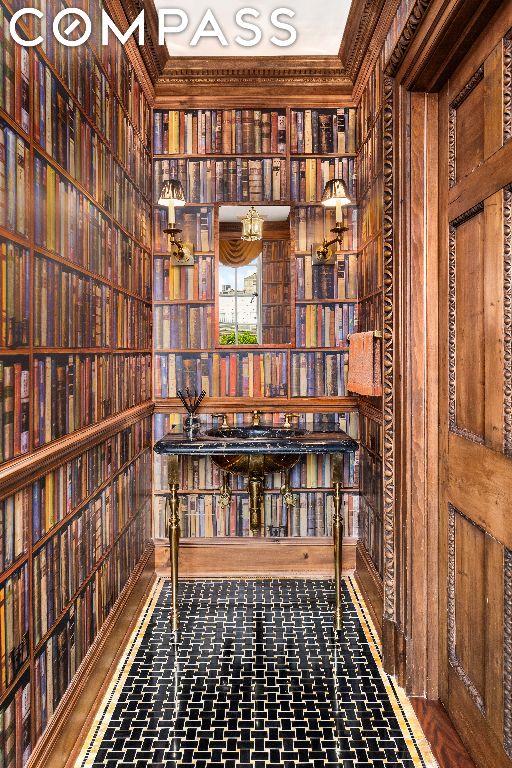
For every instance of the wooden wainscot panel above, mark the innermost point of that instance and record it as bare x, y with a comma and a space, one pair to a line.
66, 731
480, 483
248, 557
370, 585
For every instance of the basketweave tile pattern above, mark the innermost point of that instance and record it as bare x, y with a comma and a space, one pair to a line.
256, 679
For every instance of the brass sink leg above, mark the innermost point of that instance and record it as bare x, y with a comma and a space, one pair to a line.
255, 501
174, 542
337, 530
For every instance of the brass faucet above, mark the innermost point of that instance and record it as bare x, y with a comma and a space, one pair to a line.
288, 420
256, 418
224, 418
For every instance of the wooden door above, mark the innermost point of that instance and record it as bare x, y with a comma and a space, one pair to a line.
476, 395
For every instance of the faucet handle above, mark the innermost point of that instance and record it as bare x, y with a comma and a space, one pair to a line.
256, 418
288, 419
222, 416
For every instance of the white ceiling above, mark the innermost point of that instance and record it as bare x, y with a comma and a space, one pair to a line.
232, 213
319, 26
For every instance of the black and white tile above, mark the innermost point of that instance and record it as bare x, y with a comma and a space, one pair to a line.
255, 679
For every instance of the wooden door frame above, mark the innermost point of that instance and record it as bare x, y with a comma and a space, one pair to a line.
416, 71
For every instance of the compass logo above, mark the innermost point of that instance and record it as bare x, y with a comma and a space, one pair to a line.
171, 21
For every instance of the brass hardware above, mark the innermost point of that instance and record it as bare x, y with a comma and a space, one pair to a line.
173, 528
225, 493
337, 531
256, 418
377, 335
222, 416
287, 492
288, 419
255, 501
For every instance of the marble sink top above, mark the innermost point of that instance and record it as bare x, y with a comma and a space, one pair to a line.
255, 432
220, 444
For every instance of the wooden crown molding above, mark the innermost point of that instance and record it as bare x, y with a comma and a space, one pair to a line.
232, 78
151, 55
359, 31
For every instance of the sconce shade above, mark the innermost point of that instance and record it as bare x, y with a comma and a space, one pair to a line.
335, 193
172, 193
252, 226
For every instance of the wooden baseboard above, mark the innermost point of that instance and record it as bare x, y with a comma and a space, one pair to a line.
202, 558
63, 737
370, 584
446, 746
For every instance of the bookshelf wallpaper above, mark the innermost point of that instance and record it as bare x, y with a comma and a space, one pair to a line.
266, 156
371, 275
75, 349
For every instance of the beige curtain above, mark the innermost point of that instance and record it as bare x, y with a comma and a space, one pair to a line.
239, 253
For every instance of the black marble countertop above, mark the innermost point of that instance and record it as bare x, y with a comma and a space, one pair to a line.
180, 444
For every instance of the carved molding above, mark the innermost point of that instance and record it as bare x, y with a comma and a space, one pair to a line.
305, 72
406, 36
361, 23
369, 410
507, 301
507, 653
476, 78
452, 619
452, 324
507, 87
388, 355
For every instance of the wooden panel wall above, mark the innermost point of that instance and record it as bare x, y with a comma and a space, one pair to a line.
475, 176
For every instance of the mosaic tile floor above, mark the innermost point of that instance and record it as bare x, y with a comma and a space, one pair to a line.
256, 680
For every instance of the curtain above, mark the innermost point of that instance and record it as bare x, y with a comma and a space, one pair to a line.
239, 253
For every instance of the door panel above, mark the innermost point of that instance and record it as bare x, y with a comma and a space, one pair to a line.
475, 315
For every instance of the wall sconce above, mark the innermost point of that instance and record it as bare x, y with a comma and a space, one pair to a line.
172, 196
252, 225
335, 195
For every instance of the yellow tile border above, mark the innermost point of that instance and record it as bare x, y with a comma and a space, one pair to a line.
413, 735
108, 704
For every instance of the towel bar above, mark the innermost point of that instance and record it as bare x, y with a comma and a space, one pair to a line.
377, 335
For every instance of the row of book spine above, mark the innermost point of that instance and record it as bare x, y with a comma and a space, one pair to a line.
222, 131
94, 73
67, 223
201, 516
326, 281
183, 326
14, 75
319, 374
15, 726
14, 527
63, 652
230, 374
14, 625
174, 283
66, 560
130, 150
132, 323
196, 226
131, 265
325, 326
201, 474
314, 222
14, 186
54, 496
370, 158
371, 214
371, 100
371, 434
73, 391
14, 294
14, 408
323, 131
236, 180
371, 313
308, 177
370, 264
130, 208
63, 133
